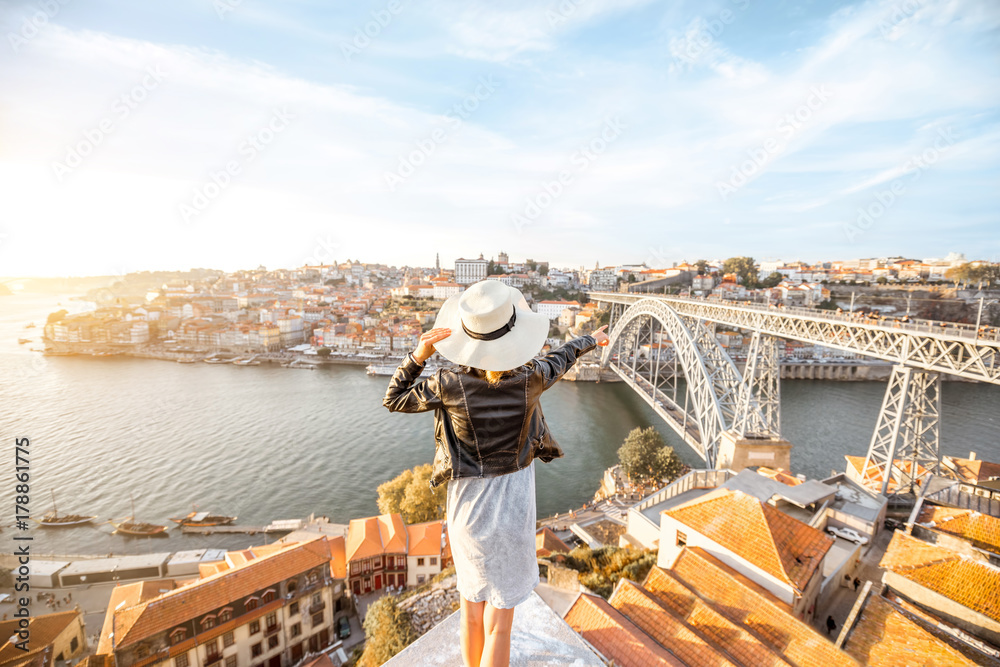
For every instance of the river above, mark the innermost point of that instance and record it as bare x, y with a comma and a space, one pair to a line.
266, 442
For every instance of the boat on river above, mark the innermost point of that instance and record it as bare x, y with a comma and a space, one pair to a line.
138, 528
204, 519
54, 520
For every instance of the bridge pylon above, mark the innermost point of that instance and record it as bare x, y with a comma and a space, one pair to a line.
905, 447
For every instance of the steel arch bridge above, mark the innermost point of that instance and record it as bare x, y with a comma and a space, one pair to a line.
657, 339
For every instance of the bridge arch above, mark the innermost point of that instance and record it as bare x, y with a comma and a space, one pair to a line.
713, 381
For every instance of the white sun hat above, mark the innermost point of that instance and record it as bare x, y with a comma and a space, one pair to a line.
492, 327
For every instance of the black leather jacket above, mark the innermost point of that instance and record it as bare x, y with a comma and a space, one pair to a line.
479, 430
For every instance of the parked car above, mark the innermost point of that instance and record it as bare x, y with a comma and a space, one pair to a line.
847, 534
894, 524
343, 628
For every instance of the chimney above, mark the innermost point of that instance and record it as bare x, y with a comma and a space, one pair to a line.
972, 456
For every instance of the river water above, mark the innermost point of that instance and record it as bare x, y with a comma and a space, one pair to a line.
266, 442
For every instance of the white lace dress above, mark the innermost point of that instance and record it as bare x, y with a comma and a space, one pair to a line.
491, 529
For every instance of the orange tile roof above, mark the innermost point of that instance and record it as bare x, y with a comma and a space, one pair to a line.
149, 617
43, 631
762, 535
972, 584
616, 637
643, 609
975, 470
730, 637
751, 606
883, 635
338, 557
547, 543
779, 475
376, 535
874, 474
982, 530
424, 539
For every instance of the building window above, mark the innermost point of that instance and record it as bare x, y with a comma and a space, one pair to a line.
231, 661
251, 604
296, 629
255, 650
178, 635
228, 639
181, 660
293, 608
434, 560
420, 578
254, 627
420, 562
141, 651
269, 595
316, 599
355, 568
313, 577
292, 585
272, 641
317, 618
73, 643
682, 539
226, 615
208, 622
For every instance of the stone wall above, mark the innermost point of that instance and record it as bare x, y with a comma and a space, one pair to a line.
430, 607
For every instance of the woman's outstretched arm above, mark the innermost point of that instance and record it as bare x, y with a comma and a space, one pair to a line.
555, 364
402, 395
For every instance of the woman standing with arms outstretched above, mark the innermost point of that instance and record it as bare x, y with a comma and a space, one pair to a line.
488, 430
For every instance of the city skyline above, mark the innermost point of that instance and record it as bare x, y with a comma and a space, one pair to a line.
203, 134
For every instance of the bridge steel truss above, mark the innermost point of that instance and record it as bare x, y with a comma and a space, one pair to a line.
905, 446
715, 397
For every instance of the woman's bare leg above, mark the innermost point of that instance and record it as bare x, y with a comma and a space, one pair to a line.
497, 624
472, 632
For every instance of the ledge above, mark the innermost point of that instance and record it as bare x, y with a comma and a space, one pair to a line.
539, 638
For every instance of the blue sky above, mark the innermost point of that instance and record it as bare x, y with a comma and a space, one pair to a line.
231, 133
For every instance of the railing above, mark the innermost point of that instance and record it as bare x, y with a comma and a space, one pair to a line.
696, 479
272, 629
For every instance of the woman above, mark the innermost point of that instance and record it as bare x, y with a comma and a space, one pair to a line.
488, 429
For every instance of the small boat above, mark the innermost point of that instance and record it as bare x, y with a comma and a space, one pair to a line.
139, 528
187, 361
217, 360
204, 519
22, 341
53, 520
251, 361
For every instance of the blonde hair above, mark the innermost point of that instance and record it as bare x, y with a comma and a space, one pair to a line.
495, 377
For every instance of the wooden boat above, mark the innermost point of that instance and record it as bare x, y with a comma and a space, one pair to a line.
140, 528
204, 519
53, 520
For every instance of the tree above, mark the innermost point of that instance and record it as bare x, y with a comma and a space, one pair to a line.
387, 632
645, 457
410, 495
745, 269
702, 267
323, 352
882, 280
772, 280
543, 270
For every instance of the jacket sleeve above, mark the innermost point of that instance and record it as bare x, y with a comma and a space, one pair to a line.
404, 396
554, 364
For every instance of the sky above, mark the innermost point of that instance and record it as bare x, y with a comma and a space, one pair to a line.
174, 134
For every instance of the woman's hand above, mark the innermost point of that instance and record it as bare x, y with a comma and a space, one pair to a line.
426, 346
602, 338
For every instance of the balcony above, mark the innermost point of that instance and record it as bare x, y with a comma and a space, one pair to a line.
316, 607
272, 629
214, 660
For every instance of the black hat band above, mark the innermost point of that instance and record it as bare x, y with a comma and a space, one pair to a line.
492, 335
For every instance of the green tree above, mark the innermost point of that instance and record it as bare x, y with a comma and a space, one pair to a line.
323, 352
745, 269
702, 267
387, 632
646, 458
882, 280
543, 270
410, 495
772, 280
